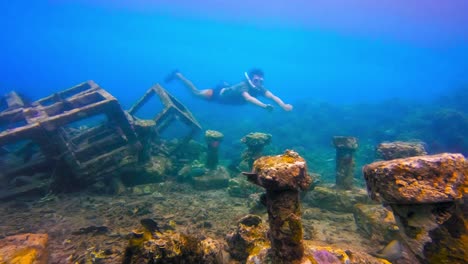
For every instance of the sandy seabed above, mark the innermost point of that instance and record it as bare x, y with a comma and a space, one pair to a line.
79, 224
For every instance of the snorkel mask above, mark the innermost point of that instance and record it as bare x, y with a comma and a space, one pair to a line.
247, 77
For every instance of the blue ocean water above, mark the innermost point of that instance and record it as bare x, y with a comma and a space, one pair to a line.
325, 52
366, 52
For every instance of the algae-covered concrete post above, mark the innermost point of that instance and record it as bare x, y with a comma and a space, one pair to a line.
345, 148
428, 196
213, 139
255, 143
283, 176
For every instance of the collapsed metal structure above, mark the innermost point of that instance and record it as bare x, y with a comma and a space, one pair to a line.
82, 129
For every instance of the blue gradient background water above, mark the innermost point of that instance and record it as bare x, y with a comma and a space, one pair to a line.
333, 51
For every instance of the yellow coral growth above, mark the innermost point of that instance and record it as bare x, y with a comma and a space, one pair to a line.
272, 161
24, 256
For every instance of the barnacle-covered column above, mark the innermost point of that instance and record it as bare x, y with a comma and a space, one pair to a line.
345, 148
213, 139
255, 143
429, 198
283, 176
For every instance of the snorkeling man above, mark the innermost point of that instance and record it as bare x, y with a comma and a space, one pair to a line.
241, 93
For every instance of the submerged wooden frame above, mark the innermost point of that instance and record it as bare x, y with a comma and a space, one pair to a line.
90, 152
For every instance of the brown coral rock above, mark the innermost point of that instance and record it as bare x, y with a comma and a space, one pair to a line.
256, 139
171, 247
422, 179
398, 149
24, 248
333, 199
375, 222
428, 196
250, 233
281, 172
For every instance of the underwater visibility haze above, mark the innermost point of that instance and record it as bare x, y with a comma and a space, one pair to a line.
95, 173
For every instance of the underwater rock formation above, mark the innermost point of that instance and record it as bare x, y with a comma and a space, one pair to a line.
153, 246
428, 197
24, 248
153, 170
240, 187
212, 179
202, 178
213, 139
399, 149
250, 233
255, 143
375, 222
337, 200
283, 176
345, 148
249, 244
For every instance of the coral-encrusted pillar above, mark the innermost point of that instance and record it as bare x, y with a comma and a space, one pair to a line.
213, 139
345, 148
428, 196
283, 176
255, 143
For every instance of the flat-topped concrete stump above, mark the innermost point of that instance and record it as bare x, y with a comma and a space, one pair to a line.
213, 139
255, 143
428, 196
417, 180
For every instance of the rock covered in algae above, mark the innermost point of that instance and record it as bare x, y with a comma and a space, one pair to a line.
315, 254
281, 172
171, 247
375, 222
249, 235
329, 198
434, 232
399, 149
342, 142
428, 196
211, 179
156, 168
422, 179
256, 139
240, 187
334, 254
24, 248
213, 135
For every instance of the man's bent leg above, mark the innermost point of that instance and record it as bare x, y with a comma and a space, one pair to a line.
207, 93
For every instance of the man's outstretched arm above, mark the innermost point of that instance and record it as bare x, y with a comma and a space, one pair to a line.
256, 102
286, 107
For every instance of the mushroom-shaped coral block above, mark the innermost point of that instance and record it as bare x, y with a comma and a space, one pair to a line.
283, 176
